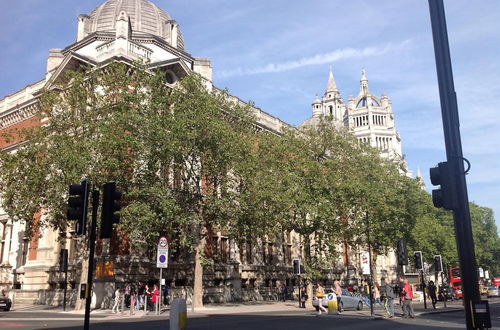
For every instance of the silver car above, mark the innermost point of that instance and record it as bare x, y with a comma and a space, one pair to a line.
493, 291
348, 301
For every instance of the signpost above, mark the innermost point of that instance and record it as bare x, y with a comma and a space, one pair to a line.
161, 262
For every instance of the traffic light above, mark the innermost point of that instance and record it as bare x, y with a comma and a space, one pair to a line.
401, 252
296, 266
419, 265
110, 206
445, 196
77, 205
438, 264
63, 260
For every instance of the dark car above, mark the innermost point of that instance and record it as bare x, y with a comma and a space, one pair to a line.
446, 292
5, 303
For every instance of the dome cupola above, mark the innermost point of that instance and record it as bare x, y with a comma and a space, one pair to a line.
145, 18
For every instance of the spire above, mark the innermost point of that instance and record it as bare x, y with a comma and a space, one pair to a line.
363, 90
331, 85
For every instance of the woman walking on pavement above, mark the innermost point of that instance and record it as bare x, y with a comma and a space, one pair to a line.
338, 293
118, 297
154, 296
320, 294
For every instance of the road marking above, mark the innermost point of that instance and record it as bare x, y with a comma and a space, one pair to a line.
10, 324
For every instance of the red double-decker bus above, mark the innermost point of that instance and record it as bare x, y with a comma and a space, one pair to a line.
455, 281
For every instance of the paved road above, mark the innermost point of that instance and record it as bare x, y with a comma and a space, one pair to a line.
241, 317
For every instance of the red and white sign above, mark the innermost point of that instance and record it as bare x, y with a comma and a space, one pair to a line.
162, 253
365, 263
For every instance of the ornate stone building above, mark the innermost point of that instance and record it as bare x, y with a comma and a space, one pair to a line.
369, 118
137, 30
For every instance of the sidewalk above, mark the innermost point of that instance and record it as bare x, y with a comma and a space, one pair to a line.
234, 308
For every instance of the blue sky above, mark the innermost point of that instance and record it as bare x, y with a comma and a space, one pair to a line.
278, 53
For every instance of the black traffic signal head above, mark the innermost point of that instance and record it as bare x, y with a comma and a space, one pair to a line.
110, 206
445, 196
78, 204
63, 260
401, 252
438, 264
419, 265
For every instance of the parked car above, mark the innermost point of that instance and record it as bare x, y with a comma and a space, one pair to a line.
5, 303
347, 300
418, 295
445, 292
493, 291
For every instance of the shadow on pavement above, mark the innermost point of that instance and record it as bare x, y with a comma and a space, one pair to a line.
273, 322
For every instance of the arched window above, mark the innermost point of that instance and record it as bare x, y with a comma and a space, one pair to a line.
170, 77
330, 108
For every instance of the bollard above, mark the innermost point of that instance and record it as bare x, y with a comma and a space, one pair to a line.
332, 304
178, 314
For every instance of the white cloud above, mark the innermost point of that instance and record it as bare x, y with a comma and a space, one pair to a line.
336, 55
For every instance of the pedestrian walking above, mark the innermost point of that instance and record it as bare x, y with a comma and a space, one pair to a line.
140, 295
283, 292
400, 289
320, 294
165, 294
118, 298
303, 297
408, 300
376, 294
338, 293
432, 293
127, 295
154, 296
365, 293
390, 294
147, 298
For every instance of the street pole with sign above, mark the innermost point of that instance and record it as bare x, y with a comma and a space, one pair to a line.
161, 262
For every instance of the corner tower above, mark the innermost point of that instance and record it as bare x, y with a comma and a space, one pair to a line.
371, 120
368, 117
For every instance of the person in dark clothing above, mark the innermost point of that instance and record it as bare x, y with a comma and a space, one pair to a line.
303, 297
165, 295
432, 293
140, 295
400, 289
390, 295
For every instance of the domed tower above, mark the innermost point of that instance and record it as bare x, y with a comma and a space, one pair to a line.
131, 31
372, 121
143, 17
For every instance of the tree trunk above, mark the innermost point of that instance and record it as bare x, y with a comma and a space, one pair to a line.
198, 274
307, 257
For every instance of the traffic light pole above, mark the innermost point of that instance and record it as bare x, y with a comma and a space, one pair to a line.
90, 276
300, 297
423, 288
454, 156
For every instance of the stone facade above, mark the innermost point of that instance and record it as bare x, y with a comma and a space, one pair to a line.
368, 117
137, 30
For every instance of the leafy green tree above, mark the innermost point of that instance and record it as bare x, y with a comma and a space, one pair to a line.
486, 240
171, 151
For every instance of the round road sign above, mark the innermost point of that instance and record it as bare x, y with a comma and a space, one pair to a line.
163, 242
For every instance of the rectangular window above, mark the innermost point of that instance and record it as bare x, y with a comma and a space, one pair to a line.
224, 249
249, 256
270, 253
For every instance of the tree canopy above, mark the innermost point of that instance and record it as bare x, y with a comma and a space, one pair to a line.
190, 162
